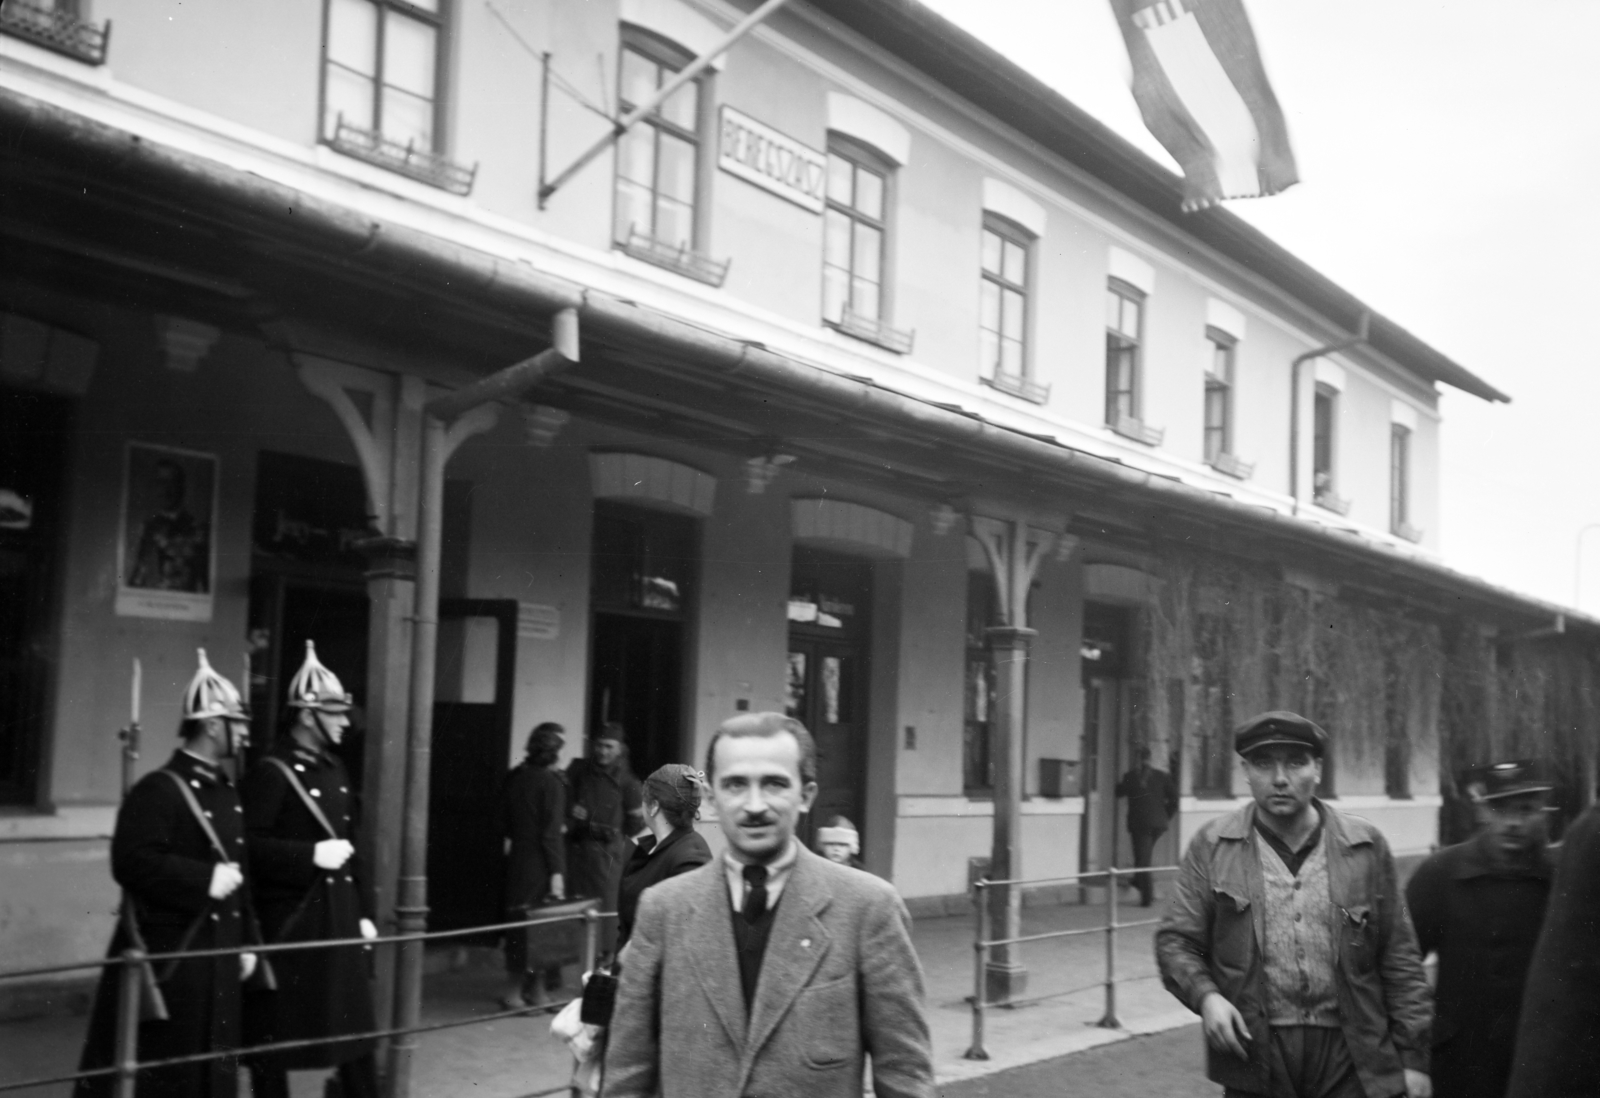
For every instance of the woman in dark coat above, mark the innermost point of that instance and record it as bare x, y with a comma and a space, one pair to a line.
671, 805
299, 817
533, 813
1558, 1037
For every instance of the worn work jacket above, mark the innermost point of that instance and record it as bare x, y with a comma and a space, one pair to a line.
1212, 935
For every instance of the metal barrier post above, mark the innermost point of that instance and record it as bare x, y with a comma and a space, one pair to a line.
127, 1048
1109, 1021
980, 960
591, 939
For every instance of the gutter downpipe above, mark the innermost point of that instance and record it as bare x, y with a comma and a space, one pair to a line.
438, 442
643, 110
1362, 328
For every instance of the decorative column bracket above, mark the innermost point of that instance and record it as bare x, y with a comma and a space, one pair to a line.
1015, 551
371, 431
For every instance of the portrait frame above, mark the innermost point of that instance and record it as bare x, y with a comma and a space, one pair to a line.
166, 535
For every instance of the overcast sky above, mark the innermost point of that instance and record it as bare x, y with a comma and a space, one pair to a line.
1449, 156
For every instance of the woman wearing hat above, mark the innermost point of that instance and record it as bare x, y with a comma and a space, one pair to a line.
299, 813
533, 814
671, 805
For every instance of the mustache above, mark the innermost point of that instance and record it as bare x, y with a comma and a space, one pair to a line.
760, 819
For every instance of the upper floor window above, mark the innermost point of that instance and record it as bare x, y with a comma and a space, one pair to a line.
855, 291
1219, 395
380, 87
1324, 429
1003, 309
57, 25
1125, 362
1400, 481
657, 215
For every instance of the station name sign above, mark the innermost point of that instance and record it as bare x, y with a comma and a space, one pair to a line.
771, 160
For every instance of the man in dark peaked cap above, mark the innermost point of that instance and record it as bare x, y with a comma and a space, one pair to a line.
1287, 934
1479, 906
1558, 1035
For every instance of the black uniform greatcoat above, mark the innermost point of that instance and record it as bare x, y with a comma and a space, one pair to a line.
1558, 1040
161, 856
652, 863
1483, 920
321, 992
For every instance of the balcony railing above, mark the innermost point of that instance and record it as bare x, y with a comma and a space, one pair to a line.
1136, 429
1018, 386
872, 330
1328, 500
1230, 466
56, 29
406, 159
674, 257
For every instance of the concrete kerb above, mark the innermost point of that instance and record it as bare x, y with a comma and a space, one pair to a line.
1035, 1049
1043, 1030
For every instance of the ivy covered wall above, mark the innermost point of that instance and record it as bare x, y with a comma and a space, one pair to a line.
1411, 700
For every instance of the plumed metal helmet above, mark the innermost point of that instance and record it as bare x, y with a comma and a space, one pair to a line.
211, 695
315, 687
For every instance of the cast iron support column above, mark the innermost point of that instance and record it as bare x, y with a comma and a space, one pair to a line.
391, 589
448, 421
382, 414
1015, 551
1008, 655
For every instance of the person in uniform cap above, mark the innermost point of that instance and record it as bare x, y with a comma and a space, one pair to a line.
1288, 935
299, 819
1152, 802
605, 808
1479, 906
181, 892
770, 970
1558, 1036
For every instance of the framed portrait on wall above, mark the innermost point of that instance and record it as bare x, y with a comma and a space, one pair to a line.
167, 554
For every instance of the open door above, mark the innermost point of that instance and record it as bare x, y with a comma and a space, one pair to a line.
473, 686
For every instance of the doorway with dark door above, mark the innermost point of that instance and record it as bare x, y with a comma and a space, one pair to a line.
307, 582
830, 599
33, 447
642, 580
1107, 635
474, 684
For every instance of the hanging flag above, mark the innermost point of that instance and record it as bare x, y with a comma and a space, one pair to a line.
1201, 87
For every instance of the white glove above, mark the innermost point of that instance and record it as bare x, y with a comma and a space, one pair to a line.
558, 887
247, 965
225, 879
332, 853
368, 931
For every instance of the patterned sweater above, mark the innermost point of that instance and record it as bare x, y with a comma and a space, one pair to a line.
1300, 947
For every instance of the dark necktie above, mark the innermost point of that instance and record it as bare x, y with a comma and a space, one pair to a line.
755, 892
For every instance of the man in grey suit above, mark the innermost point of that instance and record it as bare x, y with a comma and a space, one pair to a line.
771, 971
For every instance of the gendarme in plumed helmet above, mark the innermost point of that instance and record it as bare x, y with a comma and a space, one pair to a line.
315, 687
211, 695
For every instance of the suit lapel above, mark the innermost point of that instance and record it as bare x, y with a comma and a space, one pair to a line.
795, 949
712, 952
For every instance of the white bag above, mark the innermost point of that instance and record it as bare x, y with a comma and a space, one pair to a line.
587, 1044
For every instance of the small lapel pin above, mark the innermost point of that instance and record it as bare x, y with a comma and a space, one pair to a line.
805, 943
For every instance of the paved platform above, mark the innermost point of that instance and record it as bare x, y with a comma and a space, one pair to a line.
517, 1057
